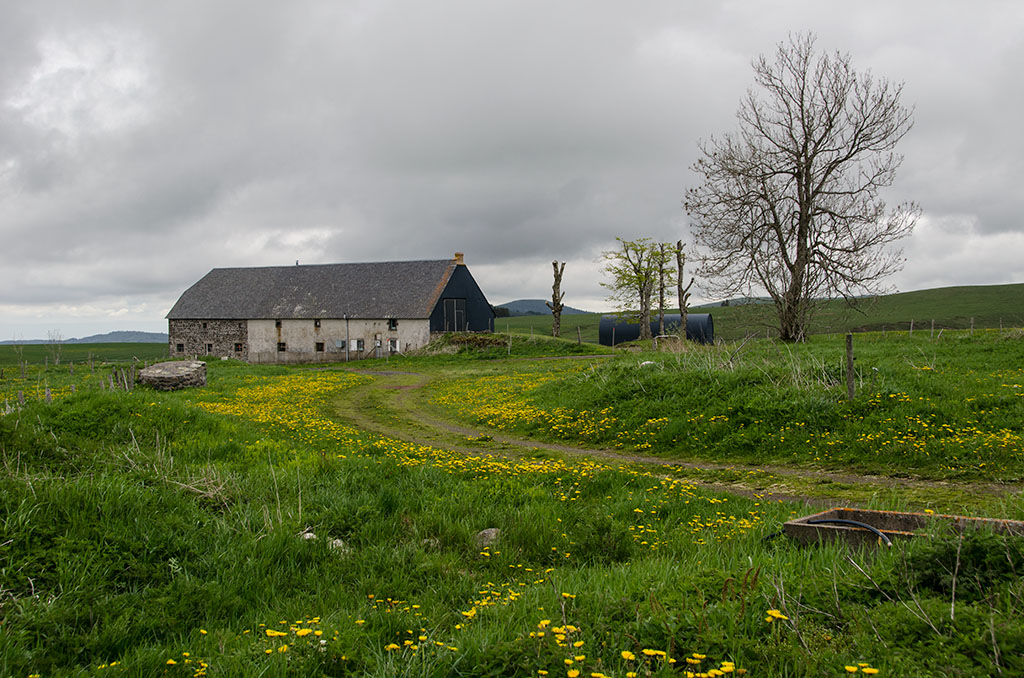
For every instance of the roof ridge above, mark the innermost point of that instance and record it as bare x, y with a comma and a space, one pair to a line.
339, 263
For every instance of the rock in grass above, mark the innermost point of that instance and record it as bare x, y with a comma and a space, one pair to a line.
174, 375
487, 537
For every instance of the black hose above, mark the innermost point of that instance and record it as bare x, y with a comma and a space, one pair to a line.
855, 523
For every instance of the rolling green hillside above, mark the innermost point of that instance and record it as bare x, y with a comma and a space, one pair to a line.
948, 307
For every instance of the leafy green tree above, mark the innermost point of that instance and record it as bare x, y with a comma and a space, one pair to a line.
638, 269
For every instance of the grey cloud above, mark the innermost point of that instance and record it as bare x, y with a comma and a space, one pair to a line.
516, 132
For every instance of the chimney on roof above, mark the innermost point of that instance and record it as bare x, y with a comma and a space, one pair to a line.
459, 261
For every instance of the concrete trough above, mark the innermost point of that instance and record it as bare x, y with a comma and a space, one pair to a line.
859, 527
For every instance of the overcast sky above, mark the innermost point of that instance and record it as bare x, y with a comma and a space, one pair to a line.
142, 144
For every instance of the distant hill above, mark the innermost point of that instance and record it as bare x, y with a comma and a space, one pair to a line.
737, 301
961, 307
118, 337
521, 307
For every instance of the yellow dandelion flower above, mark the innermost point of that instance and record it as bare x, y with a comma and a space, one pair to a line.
628, 656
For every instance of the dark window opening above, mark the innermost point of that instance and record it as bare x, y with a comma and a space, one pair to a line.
238, 348
316, 323
340, 343
209, 349
392, 323
359, 344
277, 323
281, 347
393, 344
180, 348
239, 325
319, 347
204, 326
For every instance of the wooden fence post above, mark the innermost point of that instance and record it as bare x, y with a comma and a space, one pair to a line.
849, 366
579, 335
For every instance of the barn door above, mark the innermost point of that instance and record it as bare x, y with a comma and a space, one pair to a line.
454, 315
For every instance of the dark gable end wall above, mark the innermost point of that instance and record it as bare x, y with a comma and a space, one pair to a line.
479, 315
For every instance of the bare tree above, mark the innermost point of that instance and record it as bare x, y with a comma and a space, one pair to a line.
790, 203
19, 350
55, 342
636, 268
682, 293
556, 299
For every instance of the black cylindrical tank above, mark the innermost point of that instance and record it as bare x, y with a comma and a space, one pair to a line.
699, 327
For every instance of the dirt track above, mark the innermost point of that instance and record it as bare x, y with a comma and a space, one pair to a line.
394, 405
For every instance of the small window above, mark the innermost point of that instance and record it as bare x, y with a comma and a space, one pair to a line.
319, 345
316, 323
393, 345
240, 325
277, 323
392, 324
359, 344
180, 348
339, 344
209, 349
239, 348
281, 347
204, 326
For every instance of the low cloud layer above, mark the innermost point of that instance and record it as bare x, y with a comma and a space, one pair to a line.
142, 145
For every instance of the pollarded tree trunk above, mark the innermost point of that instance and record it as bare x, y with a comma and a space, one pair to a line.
661, 289
683, 293
557, 295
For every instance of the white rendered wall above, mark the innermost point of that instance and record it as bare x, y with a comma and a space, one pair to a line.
301, 336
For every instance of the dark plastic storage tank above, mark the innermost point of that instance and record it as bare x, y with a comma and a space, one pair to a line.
699, 327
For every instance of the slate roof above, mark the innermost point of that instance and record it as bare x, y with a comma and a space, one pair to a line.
389, 289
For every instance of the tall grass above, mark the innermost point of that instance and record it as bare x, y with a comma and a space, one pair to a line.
138, 527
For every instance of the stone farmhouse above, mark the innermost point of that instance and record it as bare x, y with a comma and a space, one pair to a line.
326, 312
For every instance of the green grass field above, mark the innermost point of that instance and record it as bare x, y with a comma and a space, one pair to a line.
928, 406
148, 533
39, 354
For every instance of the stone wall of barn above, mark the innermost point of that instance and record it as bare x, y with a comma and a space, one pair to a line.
325, 340
220, 338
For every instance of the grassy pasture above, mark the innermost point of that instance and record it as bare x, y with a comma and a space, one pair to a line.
39, 354
147, 533
991, 306
944, 407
